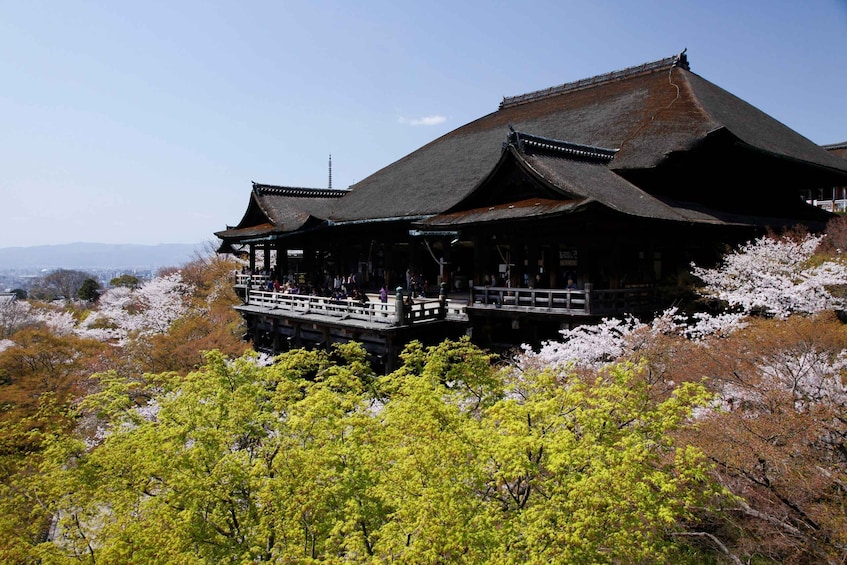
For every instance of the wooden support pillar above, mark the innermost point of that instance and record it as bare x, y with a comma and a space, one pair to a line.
252, 248
388, 265
414, 260
551, 266
281, 266
392, 355
257, 334
521, 265
276, 341
480, 255
296, 338
309, 263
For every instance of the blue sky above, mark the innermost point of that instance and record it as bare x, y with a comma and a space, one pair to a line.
145, 122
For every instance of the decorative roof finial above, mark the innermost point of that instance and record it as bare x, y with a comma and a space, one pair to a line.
681, 60
330, 171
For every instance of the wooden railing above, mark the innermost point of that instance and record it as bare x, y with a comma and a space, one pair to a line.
565, 301
254, 280
387, 313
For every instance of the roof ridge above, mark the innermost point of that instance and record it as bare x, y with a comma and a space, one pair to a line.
842, 145
679, 60
528, 143
299, 191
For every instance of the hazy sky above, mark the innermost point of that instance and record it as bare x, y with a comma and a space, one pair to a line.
145, 121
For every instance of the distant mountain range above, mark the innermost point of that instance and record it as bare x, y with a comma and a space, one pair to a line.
99, 255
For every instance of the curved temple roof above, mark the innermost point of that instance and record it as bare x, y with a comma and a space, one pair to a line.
646, 113
278, 209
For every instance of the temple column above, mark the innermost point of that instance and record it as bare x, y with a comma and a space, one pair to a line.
480, 260
281, 265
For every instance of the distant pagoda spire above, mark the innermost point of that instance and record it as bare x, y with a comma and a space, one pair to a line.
330, 171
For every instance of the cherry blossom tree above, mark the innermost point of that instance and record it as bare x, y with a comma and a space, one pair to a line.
776, 433
149, 310
595, 346
777, 276
14, 314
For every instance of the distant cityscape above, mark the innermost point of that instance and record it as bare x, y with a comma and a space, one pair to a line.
13, 279
20, 266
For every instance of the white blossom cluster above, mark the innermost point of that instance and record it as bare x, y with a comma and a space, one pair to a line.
20, 313
150, 309
811, 377
588, 346
594, 346
702, 324
13, 316
775, 276
60, 322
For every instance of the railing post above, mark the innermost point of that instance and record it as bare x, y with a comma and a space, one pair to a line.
588, 298
442, 301
399, 314
247, 291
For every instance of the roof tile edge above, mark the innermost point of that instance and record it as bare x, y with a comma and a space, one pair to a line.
298, 191
679, 60
528, 143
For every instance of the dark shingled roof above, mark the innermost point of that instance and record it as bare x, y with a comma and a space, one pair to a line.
643, 115
599, 184
580, 180
279, 209
521, 210
646, 113
837, 149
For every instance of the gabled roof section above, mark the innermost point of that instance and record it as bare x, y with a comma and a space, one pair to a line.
278, 209
290, 207
512, 179
566, 177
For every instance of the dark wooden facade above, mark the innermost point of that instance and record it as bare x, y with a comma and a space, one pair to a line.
612, 186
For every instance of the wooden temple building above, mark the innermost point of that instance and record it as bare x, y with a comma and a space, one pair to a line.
584, 200
832, 198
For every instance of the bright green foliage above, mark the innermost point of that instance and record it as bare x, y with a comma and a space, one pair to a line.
450, 459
